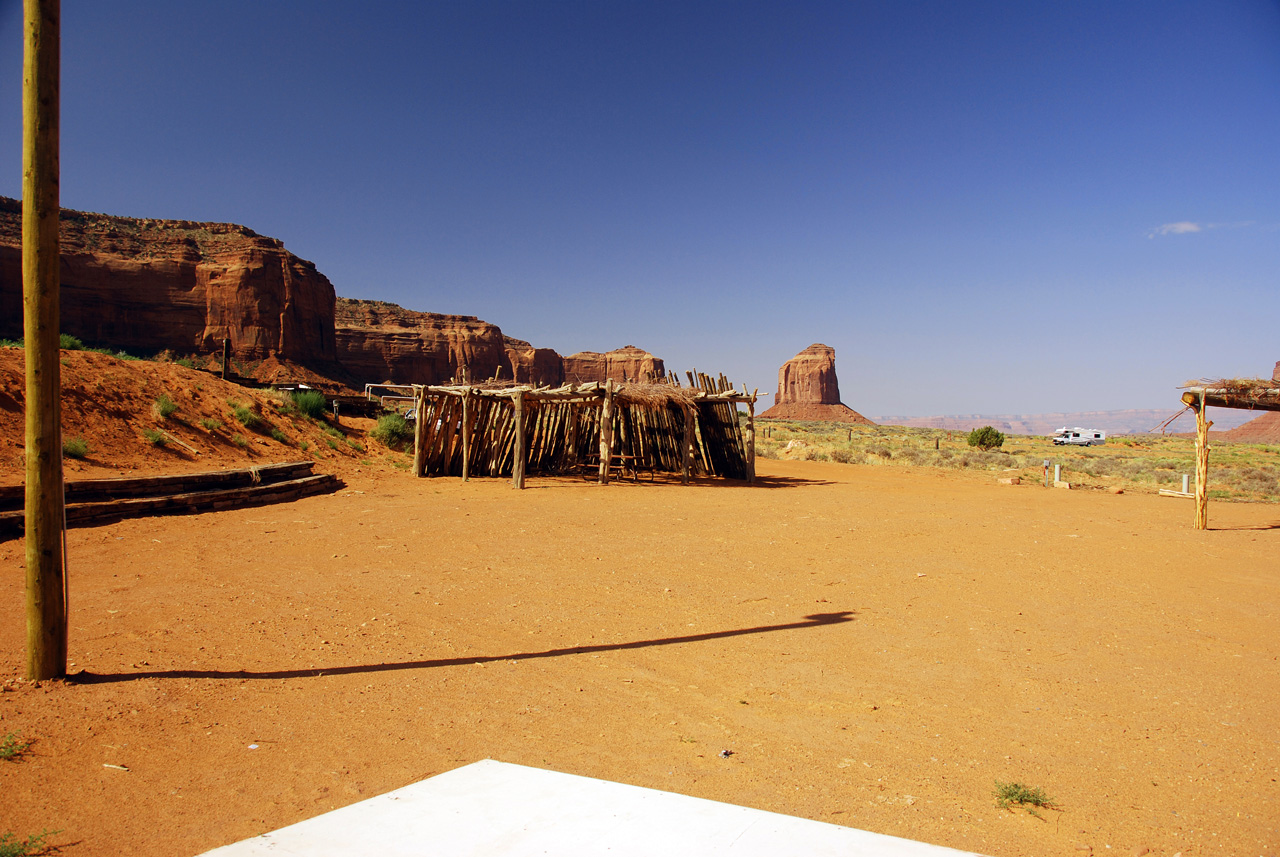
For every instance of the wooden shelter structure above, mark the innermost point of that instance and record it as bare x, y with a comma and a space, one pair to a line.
1244, 394
501, 429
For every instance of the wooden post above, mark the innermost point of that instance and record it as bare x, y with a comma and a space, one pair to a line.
466, 436
606, 432
517, 462
420, 433
44, 511
573, 435
1202, 466
226, 356
686, 446
751, 440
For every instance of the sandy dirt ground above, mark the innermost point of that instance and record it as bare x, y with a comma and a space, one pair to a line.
875, 646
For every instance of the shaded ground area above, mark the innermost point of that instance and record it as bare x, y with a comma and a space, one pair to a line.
876, 646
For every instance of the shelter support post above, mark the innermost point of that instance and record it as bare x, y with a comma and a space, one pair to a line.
686, 446
606, 432
420, 433
573, 435
751, 441
466, 436
46, 570
518, 458
1202, 466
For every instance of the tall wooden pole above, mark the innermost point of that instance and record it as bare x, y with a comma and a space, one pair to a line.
46, 575
686, 446
1202, 466
420, 433
466, 436
751, 440
606, 432
517, 464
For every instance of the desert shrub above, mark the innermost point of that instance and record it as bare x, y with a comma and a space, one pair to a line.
311, 403
812, 454
239, 440
279, 436
766, 450
10, 343
913, 456
392, 431
330, 430
154, 437
211, 425
76, 447
844, 455
164, 407
333, 444
986, 438
881, 451
67, 342
1258, 480
186, 362
304, 446
245, 415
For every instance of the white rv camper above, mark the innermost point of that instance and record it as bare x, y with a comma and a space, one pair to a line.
1079, 437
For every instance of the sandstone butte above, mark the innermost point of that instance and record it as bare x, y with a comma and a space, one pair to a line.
808, 389
1264, 429
146, 286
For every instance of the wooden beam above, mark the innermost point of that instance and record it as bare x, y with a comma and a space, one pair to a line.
517, 463
44, 510
1202, 466
466, 437
420, 434
1219, 398
606, 432
751, 441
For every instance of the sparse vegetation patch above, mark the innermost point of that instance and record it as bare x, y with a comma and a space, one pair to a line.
76, 447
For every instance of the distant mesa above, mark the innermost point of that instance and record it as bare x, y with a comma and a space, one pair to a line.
808, 389
146, 286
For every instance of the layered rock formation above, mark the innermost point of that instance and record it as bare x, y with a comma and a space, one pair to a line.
381, 342
808, 389
622, 364
530, 365
146, 286
150, 285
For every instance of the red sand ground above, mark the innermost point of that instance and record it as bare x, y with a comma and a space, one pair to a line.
960, 632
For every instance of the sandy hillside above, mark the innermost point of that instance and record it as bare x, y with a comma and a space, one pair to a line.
876, 647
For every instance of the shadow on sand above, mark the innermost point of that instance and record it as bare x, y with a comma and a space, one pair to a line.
815, 620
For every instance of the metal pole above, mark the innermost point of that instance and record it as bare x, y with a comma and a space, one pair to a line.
46, 575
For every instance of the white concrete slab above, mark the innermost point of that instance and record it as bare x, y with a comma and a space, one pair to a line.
495, 809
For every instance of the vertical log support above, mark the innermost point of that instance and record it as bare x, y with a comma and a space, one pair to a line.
466, 435
519, 455
1202, 466
573, 456
420, 432
606, 432
751, 440
46, 572
686, 446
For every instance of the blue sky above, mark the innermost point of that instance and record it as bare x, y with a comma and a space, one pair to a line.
983, 207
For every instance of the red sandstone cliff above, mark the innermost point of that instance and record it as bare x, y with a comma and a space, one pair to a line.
150, 285
623, 364
529, 365
382, 342
808, 389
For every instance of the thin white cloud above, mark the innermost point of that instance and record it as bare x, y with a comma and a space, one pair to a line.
1182, 227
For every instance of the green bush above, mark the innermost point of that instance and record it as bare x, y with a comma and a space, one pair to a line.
392, 431
211, 425
164, 407
986, 438
245, 415
76, 447
279, 436
239, 441
67, 342
186, 362
156, 438
312, 403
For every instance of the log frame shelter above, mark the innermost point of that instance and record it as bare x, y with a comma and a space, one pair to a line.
1239, 394
500, 429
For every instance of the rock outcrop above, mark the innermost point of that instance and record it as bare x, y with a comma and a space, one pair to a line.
808, 389
530, 365
623, 364
146, 286
381, 342
150, 285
